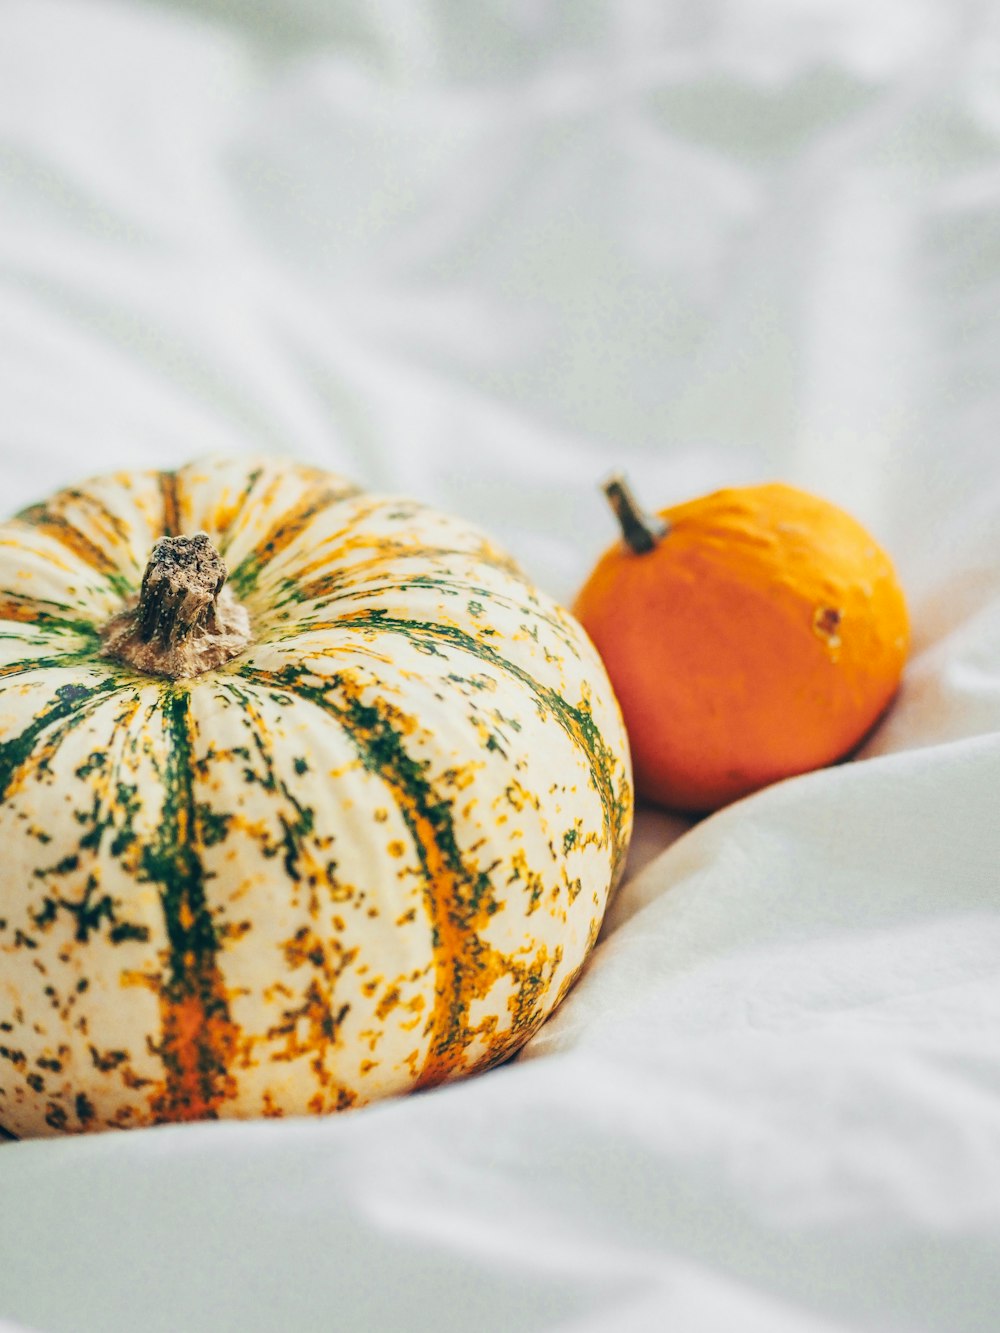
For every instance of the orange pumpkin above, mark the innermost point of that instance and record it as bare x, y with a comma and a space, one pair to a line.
750, 635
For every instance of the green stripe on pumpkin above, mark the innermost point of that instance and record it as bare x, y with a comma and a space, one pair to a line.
576, 721
109, 830
328, 587
459, 897
312, 1012
46, 518
43, 614
243, 579
71, 705
198, 1038
25, 665
474, 596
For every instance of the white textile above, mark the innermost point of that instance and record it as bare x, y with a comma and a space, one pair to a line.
486, 253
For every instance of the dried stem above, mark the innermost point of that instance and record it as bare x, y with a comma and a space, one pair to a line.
184, 620
641, 531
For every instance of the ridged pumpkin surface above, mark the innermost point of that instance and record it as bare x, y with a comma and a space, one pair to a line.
367, 854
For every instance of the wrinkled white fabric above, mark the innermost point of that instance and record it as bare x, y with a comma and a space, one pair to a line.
485, 254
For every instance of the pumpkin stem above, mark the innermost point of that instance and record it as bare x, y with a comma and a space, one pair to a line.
642, 531
184, 620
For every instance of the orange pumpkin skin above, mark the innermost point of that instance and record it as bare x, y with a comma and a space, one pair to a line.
761, 637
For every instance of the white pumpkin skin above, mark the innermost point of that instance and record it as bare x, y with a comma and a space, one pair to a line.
367, 854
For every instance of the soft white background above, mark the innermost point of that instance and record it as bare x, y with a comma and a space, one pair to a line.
484, 252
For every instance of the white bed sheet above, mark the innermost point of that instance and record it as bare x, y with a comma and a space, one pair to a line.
485, 254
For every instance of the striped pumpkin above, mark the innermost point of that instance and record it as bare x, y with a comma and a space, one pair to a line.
342, 828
